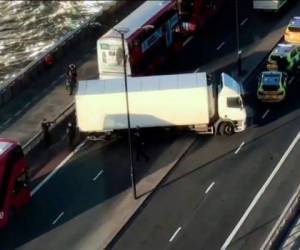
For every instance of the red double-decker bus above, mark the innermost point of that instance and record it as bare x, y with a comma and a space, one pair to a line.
146, 49
14, 189
172, 21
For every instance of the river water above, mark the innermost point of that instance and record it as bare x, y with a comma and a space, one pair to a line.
28, 28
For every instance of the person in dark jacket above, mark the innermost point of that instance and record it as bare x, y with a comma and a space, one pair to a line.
45, 125
71, 133
71, 78
139, 145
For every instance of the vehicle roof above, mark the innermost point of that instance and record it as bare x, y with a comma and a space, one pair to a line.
139, 17
271, 73
294, 22
282, 49
145, 83
5, 145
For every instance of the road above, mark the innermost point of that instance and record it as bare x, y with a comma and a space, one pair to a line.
206, 194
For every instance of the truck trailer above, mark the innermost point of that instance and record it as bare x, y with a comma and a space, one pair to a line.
190, 100
269, 5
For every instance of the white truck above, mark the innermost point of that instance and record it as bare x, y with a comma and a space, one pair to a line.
162, 101
269, 5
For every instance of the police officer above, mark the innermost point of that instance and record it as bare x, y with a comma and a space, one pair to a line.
71, 132
71, 78
45, 125
139, 145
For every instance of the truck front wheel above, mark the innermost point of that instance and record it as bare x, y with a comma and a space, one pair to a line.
226, 128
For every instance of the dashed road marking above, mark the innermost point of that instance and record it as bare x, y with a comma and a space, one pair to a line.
187, 40
244, 21
60, 165
57, 218
27, 105
210, 186
239, 148
220, 46
18, 113
6, 122
260, 192
174, 234
265, 114
196, 70
97, 176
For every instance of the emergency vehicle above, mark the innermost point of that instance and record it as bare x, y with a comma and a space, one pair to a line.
284, 57
272, 86
292, 32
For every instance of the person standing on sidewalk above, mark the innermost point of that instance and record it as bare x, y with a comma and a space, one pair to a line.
71, 133
140, 146
45, 125
71, 78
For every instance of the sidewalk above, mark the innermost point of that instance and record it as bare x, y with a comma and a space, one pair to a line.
47, 98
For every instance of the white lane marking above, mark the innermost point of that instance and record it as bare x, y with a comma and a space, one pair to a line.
239, 148
7, 121
27, 105
96, 177
260, 192
220, 46
265, 114
18, 113
49, 176
174, 234
58, 217
210, 186
291, 80
196, 70
187, 40
244, 21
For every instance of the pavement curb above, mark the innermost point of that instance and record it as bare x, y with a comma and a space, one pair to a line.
148, 197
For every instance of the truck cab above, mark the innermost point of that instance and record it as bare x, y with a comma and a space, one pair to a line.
272, 86
232, 111
285, 57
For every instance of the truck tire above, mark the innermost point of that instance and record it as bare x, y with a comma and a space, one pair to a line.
226, 128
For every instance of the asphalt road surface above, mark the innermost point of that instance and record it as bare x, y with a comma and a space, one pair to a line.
219, 196
207, 194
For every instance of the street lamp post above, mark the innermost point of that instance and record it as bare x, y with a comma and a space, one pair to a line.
239, 52
132, 170
122, 32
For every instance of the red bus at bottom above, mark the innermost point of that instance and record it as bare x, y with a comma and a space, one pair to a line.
14, 188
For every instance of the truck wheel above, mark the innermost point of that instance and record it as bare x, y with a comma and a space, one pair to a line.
226, 128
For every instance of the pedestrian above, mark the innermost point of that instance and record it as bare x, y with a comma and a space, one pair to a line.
140, 146
71, 76
71, 133
45, 125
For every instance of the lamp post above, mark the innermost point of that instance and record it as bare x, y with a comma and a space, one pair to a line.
122, 32
132, 170
237, 27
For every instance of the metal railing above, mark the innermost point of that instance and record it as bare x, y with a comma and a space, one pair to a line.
26, 76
